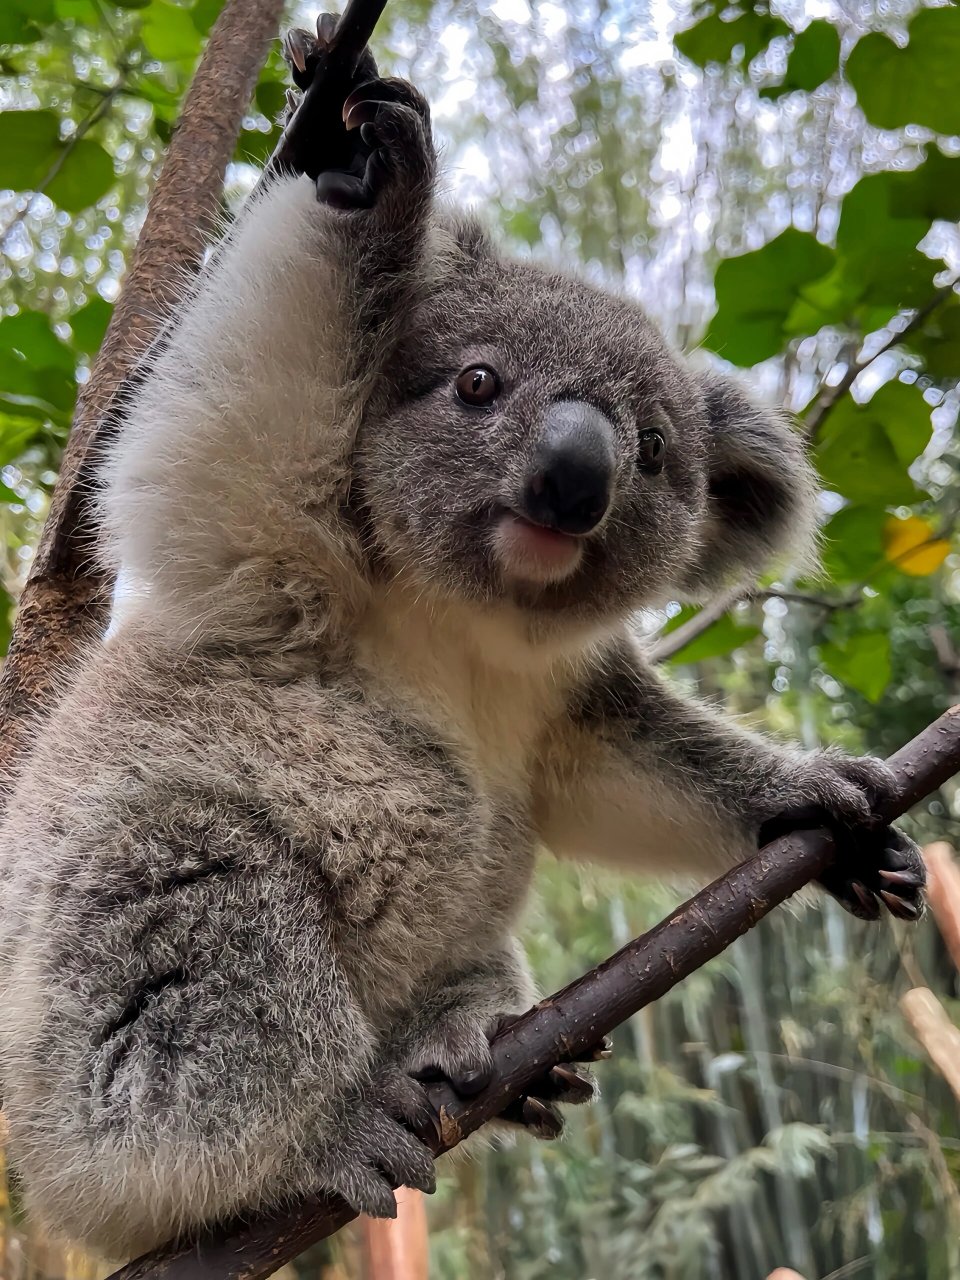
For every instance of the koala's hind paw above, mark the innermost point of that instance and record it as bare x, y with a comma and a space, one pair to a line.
878, 869
374, 1150
458, 1051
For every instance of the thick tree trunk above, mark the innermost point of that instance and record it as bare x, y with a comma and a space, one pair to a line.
67, 594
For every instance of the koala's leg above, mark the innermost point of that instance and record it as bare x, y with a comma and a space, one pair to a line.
639, 776
179, 1043
447, 1036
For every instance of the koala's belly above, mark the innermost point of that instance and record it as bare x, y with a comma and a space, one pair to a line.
424, 866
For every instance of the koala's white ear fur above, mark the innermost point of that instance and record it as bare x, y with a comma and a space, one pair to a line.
761, 490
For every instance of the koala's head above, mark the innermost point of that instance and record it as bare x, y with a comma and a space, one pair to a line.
538, 443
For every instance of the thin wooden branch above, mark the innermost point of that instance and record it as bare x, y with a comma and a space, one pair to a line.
674, 641
572, 1021
932, 1026
829, 397
67, 594
943, 893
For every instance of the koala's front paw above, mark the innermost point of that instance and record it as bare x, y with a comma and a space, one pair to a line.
374, 1149
316, 139
303, 51
389, 121
877, 867
457, 1050
875, 863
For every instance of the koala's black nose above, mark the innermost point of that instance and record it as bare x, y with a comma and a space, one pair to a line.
571, 480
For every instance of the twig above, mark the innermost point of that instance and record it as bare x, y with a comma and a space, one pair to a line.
572, 1021
670, 644
930, 1024
66, 595
829, 397
943, 893
85, 125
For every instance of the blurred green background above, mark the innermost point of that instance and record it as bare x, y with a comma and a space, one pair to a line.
780, 186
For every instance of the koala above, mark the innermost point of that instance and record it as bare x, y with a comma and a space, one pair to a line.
384, 505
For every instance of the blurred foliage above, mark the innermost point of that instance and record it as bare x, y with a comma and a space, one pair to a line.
781, 187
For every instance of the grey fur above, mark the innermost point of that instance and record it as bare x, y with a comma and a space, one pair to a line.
269, 853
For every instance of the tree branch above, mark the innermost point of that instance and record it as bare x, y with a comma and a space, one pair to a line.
569, 1023
827, 400
670, 644
84, 127
67, 594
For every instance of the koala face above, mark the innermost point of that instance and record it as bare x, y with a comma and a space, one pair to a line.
539, 444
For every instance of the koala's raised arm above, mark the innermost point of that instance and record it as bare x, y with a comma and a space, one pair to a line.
257, 397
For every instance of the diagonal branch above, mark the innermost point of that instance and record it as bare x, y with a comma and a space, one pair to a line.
569, 1023
827, 401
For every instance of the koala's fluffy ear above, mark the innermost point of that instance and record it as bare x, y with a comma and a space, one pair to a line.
761, 490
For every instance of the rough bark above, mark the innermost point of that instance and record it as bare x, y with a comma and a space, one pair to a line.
572, 1021
67, 594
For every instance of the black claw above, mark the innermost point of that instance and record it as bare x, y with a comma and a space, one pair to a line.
360, 114
542, 1117
569, 1084
899, 907
868, 903
906, 878
326, 28
603, 1050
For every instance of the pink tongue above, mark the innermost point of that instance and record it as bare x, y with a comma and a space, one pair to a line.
547, 543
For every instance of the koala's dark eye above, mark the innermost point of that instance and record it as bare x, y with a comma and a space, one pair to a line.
651, 452
478, 386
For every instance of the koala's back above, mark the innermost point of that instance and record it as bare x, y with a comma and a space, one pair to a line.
203, 922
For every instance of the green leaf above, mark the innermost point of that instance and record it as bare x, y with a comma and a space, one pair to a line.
915, 85
814, 58
30, 148
906, 417
853, 543
86, 174
882, 220
28, 339
860, 660
714, 40
524, 224
169, 32
937, 342
16, 436
89, 324
255, 147
204, 14
866, 448
29, 144
22, 21
724, 636
84, 12
757, 292
130, 4
271, 98
36, 368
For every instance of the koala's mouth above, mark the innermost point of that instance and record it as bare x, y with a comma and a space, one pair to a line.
532, 553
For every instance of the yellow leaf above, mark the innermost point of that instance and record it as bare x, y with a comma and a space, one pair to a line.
911, 545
